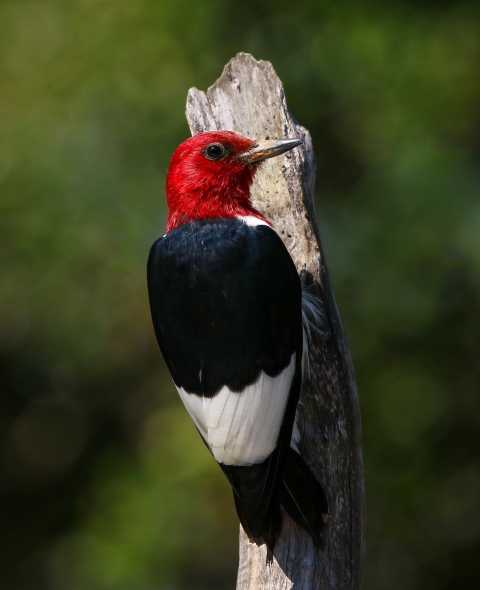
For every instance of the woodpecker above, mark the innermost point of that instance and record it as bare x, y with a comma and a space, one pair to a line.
226, 305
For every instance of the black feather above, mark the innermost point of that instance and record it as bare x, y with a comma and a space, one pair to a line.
303, 497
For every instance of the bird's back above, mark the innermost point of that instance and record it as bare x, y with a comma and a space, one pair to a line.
226, 304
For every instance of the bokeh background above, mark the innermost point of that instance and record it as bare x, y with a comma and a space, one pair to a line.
104, 482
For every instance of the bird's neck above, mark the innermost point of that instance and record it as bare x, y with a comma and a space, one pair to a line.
188, 203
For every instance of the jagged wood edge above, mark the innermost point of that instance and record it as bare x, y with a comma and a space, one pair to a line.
249, 98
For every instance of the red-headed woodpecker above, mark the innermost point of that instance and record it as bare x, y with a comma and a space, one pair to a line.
226, 303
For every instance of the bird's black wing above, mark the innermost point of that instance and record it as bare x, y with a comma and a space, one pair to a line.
226, 304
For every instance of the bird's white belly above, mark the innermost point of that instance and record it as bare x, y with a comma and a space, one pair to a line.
241, 428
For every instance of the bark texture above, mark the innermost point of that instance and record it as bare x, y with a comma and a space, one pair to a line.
249, 99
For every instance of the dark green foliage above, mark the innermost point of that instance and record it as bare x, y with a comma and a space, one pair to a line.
104, 483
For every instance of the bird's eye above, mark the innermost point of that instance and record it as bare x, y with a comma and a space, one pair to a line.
214, 151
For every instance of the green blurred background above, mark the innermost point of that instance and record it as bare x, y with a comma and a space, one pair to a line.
104, 482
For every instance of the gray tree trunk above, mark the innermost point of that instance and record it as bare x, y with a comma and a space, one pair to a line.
249, 99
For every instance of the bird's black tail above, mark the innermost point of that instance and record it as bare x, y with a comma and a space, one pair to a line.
303, 497
297, 490
256, 495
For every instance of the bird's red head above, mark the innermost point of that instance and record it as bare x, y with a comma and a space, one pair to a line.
211, 173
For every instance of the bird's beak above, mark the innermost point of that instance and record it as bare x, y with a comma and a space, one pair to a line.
262, 150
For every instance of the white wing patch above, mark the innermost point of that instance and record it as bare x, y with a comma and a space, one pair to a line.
242, 428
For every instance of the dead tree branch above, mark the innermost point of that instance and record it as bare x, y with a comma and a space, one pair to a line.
249, 99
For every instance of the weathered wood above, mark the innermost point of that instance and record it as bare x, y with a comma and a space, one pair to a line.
249, 99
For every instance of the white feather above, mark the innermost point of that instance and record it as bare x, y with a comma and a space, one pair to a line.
242, 428
252, 221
